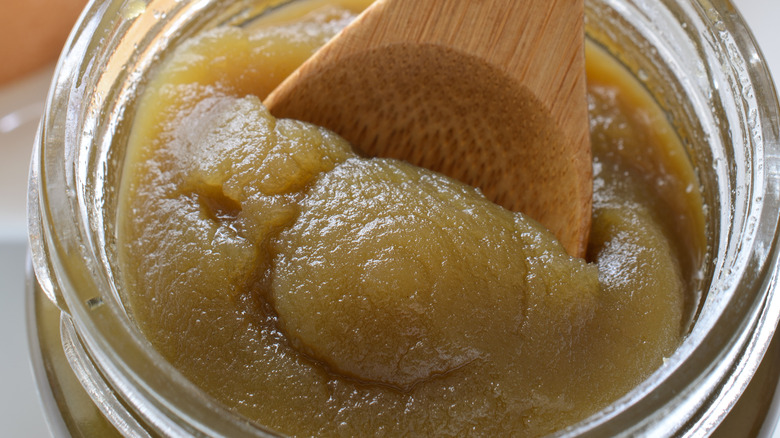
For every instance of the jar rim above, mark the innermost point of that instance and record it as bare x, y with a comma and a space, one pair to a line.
65, 222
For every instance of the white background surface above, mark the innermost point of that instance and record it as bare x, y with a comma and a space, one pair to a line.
20, 106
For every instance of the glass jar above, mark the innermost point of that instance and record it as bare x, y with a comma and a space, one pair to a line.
694, 56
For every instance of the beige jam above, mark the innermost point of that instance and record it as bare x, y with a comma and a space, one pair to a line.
317, 292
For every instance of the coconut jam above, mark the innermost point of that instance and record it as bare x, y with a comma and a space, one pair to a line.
318, 292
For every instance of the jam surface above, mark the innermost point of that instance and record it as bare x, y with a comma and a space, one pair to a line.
318, 292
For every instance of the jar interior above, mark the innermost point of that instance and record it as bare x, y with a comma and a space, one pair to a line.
654, 56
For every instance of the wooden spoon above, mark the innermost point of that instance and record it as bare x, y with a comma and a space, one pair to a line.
490, 92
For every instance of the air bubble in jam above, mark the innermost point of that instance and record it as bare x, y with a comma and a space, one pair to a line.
134, 8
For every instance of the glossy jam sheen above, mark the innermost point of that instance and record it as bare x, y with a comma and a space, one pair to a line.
317, 292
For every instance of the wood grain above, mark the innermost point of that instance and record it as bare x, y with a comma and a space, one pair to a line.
490, 92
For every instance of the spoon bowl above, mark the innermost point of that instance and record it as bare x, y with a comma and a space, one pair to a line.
490, 92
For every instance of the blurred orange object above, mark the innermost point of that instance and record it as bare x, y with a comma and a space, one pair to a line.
32, 33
